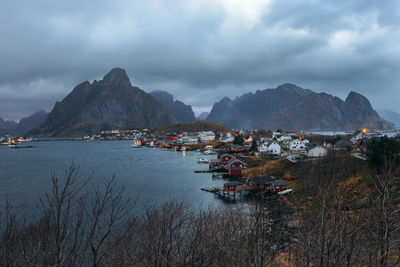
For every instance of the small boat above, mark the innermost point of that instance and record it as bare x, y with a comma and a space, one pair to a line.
209, 152
136, 144
202, 160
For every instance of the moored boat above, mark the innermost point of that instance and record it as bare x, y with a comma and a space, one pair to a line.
209, 152
202, 160
136, 144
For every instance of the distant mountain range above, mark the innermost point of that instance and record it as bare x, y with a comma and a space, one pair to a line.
392, 116
114, 103
289, 107
104, 105
13, 128
203, 116
181, 112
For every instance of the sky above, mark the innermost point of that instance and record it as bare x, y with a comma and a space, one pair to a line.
198, 50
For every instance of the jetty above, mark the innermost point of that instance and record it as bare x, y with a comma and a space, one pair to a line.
212, 189
203, 171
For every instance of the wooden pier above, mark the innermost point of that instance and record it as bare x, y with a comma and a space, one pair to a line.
211, 190
203, 171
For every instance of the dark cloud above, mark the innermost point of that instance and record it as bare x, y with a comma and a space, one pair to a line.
199, 50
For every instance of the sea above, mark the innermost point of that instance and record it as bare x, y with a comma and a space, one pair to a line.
150, 176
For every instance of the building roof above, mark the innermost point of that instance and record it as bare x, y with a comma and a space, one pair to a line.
231, 184
233, 160
235, 168
279, 183
270, 142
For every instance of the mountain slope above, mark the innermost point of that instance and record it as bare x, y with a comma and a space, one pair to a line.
293, 108
103, 105
389, 115
13, 128
203, 116
182, 112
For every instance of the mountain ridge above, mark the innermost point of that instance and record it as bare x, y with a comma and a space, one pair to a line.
24, 125
181, 111
291, 107
103, 105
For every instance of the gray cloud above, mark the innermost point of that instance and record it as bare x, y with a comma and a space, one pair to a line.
200, 51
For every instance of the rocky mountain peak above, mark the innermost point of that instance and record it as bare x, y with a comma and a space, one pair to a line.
292, 108
117, 77
163, 96
104, 105
292, 88
182, 112
355, 98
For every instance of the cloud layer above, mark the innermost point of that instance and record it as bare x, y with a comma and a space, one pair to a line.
200, 51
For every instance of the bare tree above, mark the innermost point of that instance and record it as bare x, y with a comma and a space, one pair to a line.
105, 213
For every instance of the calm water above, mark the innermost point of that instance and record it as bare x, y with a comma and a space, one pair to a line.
151, 175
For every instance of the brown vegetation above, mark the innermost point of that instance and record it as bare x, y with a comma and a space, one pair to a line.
342, 213
193, 126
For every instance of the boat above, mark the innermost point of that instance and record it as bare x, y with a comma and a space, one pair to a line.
209, 152
203, 160
136, 144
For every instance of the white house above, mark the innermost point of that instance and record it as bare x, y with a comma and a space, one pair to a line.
190, 139
297, 145
358, 135
272, 147
206, 136
317, 152
226, 137
284, 138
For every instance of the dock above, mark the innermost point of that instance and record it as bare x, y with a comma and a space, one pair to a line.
211, 190
203, 171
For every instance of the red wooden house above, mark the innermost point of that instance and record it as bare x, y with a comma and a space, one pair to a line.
235, 167
235, 171
226, 158
231, 187
234, 162
171, 137
277, 186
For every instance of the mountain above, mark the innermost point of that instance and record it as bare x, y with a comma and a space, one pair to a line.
181, 112
104, 105
290, 107
33, 121
203, 116
193, 126
18, 129
6, 124
389, 115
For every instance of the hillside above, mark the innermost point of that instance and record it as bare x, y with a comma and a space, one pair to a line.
104, 105
290, 107
179, 110
195, 126
13, 128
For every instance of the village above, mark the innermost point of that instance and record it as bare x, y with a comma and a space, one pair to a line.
238, 151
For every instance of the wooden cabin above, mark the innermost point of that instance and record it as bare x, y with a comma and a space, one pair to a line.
234, 162
277, 186
235, 171
231, 187
226, 158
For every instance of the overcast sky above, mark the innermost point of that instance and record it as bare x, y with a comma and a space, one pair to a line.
198, 50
